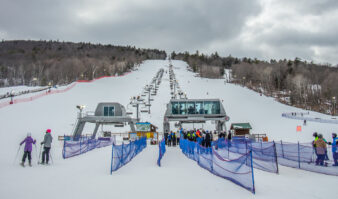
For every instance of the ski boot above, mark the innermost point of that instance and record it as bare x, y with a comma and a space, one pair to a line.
22, 164
30, 164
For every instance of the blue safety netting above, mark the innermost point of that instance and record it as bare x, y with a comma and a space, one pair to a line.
161, 151
302, 156
73, 148
238, 170
122, 154
263, 153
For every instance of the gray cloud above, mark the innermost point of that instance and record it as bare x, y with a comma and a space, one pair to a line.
258, 28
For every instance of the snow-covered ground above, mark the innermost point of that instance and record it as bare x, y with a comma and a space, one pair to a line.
87, 175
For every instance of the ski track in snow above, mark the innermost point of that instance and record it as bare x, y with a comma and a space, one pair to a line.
87, 175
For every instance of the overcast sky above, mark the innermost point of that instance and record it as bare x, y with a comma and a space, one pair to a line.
265, 29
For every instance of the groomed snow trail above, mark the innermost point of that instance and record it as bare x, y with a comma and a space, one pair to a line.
87, 175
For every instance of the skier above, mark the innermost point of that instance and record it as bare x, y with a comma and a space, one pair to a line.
304, 123
28, 149
173, 138
47, 142
169, 139
315, 135
166, 138
321, 149
334, 145
199, 137
178, 136
208, 139
229, 136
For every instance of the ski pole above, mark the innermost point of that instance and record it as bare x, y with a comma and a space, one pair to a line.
36, 152
16, 156
39, 154
50, 155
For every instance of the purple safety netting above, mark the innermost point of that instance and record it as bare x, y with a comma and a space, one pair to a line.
303, 156
122, 154
161, 151
263, 153
73, 148
238, 170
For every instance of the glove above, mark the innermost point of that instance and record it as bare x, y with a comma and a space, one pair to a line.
329, 143
41, 143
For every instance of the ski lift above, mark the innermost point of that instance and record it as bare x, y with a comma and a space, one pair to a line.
129, 113
144, 111
119, 125
147, 104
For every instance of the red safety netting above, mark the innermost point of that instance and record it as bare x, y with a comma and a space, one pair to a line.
42, 94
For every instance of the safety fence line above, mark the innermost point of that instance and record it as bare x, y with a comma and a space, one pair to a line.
300, 156
238, 171
320, 120
124, 153
161, 151
72, 85
263, 154
74, 148
295, 155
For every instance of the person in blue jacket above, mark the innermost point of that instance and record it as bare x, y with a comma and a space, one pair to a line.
334, 145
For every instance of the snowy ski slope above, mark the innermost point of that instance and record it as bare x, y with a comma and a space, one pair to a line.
87, 175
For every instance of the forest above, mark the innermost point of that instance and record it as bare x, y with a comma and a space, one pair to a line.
295, 82
57, 63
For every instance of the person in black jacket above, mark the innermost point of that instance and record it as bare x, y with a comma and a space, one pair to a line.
208, 139
166, 138
229, 136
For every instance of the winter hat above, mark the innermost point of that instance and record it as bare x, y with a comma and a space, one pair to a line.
320, 136
334, 135
29, 134
315, 134
49, 131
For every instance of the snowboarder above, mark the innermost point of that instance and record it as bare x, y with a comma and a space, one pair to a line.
28, 149
47, 142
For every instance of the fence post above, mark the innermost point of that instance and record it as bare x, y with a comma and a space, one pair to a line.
298, 156
228, 150
281, 143
246, 151
112, 159
212, 160
276, 158
253, 180
122, 153
64, 147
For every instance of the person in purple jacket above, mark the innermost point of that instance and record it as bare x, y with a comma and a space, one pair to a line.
28, 149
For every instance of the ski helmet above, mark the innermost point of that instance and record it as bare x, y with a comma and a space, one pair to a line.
315, 134
49, 131
334, 135
320, 136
